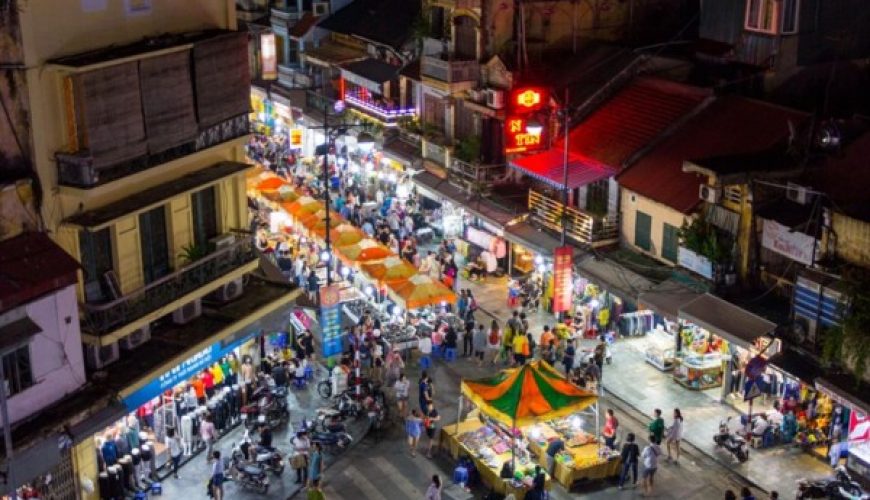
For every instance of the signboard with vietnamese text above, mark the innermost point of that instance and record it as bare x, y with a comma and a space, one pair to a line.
795, 245
526, 123
563, 284
695, 262
268, 56
330, 320
519, 139
296, 137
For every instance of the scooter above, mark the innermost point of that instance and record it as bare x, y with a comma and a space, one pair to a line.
268, 458
333, 437
840, 486
249, 476
735, 444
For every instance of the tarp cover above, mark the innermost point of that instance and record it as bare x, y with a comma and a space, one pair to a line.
727, 320
525, 395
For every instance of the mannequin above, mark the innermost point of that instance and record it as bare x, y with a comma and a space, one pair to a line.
121, 440
109, 450
186, 434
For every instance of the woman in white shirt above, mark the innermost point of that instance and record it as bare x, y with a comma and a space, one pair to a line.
401, 386
675, 435
299, 459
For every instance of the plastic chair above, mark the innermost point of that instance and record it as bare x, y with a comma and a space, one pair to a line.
449, 355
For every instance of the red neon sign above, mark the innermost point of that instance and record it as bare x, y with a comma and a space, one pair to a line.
527, 99
518, 139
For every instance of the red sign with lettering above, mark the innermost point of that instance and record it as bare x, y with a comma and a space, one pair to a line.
527, 99
519, 138
563, 284
526, 123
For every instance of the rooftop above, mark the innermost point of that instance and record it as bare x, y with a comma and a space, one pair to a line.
144, 199
411, 70
751, 126
31, 265
632, 119
372, 70
303, 26
386, 22
845, 178
143, 46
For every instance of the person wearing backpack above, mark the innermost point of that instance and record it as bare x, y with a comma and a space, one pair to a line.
650, 456
630, 454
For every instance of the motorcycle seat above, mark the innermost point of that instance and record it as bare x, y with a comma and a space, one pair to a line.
252, 470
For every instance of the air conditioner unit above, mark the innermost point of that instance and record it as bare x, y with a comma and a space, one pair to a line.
495, 98
798, 194
187, 313
136, 338
222, 241
320, 8
97, 357
228, 292
709, 193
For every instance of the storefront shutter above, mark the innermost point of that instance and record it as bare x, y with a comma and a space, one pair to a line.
222, 78
167, 101
111, 114
642, 227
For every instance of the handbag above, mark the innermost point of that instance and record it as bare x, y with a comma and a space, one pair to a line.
298, 461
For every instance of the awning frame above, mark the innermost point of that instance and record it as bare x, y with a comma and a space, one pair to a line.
723, 331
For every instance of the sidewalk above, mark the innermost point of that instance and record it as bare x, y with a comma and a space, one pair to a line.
644, 388
303, 403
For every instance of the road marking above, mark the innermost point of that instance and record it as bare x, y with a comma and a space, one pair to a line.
362, 482
390, 471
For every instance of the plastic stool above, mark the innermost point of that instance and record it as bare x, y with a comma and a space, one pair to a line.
299, 383
425, 362
309, 373
450, 355
140, 495
460, 475
156, 489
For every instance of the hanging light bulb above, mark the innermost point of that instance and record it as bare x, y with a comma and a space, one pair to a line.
324, 256
370, 290
345, 271
539, 260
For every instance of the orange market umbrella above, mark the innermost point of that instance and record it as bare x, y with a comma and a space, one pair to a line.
270, 184
390, 270
317, 220
304, 205
420, 291
365, 250
342, 235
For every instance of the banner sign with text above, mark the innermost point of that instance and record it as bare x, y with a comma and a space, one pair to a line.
330, 320
562, 265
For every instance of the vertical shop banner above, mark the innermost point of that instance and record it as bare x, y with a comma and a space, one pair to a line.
268, 57
859, 427
563, 286
330, 320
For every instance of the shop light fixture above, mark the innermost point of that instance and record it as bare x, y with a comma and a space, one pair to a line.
302, 240
341, 161
381, 112
594, 303
576, 422
534, 127
324, 256
539, 260
542, 269
345, 271
370, 291
392, 178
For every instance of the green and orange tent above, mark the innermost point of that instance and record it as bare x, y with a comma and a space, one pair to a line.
522, 396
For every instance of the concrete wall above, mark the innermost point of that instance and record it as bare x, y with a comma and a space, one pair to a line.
630, 203
55, 353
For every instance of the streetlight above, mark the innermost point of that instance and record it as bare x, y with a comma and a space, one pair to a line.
365, 141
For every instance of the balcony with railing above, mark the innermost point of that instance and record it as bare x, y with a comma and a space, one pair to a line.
435, 153
474, 177
104, 318
284, 15
292, 76
78, 169
581, 226
449, 71
378, 109
457, 4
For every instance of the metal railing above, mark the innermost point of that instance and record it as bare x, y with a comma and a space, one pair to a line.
101, 319
458, 4
435, 153
78, 170
581, 226
284, 16
474, 177
390, 115
449, 71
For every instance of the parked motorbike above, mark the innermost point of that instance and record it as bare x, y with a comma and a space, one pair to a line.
530, 297
249, 476
268, 458
270, 408
839, 486
735, 444
333, 436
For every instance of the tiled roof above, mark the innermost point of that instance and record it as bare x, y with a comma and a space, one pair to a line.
633, 118
383, 21
31, 265
372, 69
729, 125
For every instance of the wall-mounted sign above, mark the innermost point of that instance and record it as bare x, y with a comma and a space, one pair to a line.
268, 56
795, 245
330, 320
563, 283
519, 138
296, 137
527, 119
695, 262
527, 99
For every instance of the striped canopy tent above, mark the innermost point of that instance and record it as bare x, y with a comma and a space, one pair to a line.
303, 206
522, 396
341, 235
270, 184
390, 270
364, 250
284, 194
420, 291
255, 175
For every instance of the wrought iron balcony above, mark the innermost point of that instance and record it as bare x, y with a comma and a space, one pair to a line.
77, 169
101, 319
291, 76
581, 226
474, 177
435, 153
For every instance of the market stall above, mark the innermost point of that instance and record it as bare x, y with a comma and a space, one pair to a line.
521, 411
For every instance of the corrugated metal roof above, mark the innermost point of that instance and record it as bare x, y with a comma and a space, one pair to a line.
729, 125
31, 265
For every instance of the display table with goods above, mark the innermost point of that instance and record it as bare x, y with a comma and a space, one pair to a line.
698, 371
583, 458
511, 401
661, 351
488, 445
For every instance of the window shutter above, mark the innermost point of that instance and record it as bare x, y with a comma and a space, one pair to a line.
222, 78
167, 101
670, 243
642, 227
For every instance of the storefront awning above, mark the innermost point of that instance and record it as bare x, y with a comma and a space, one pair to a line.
839, 389
438, 189
549, 167
614, 277
531, 237
796, 365
331, 53
667, 298
727, 320
369, 73
402, 151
